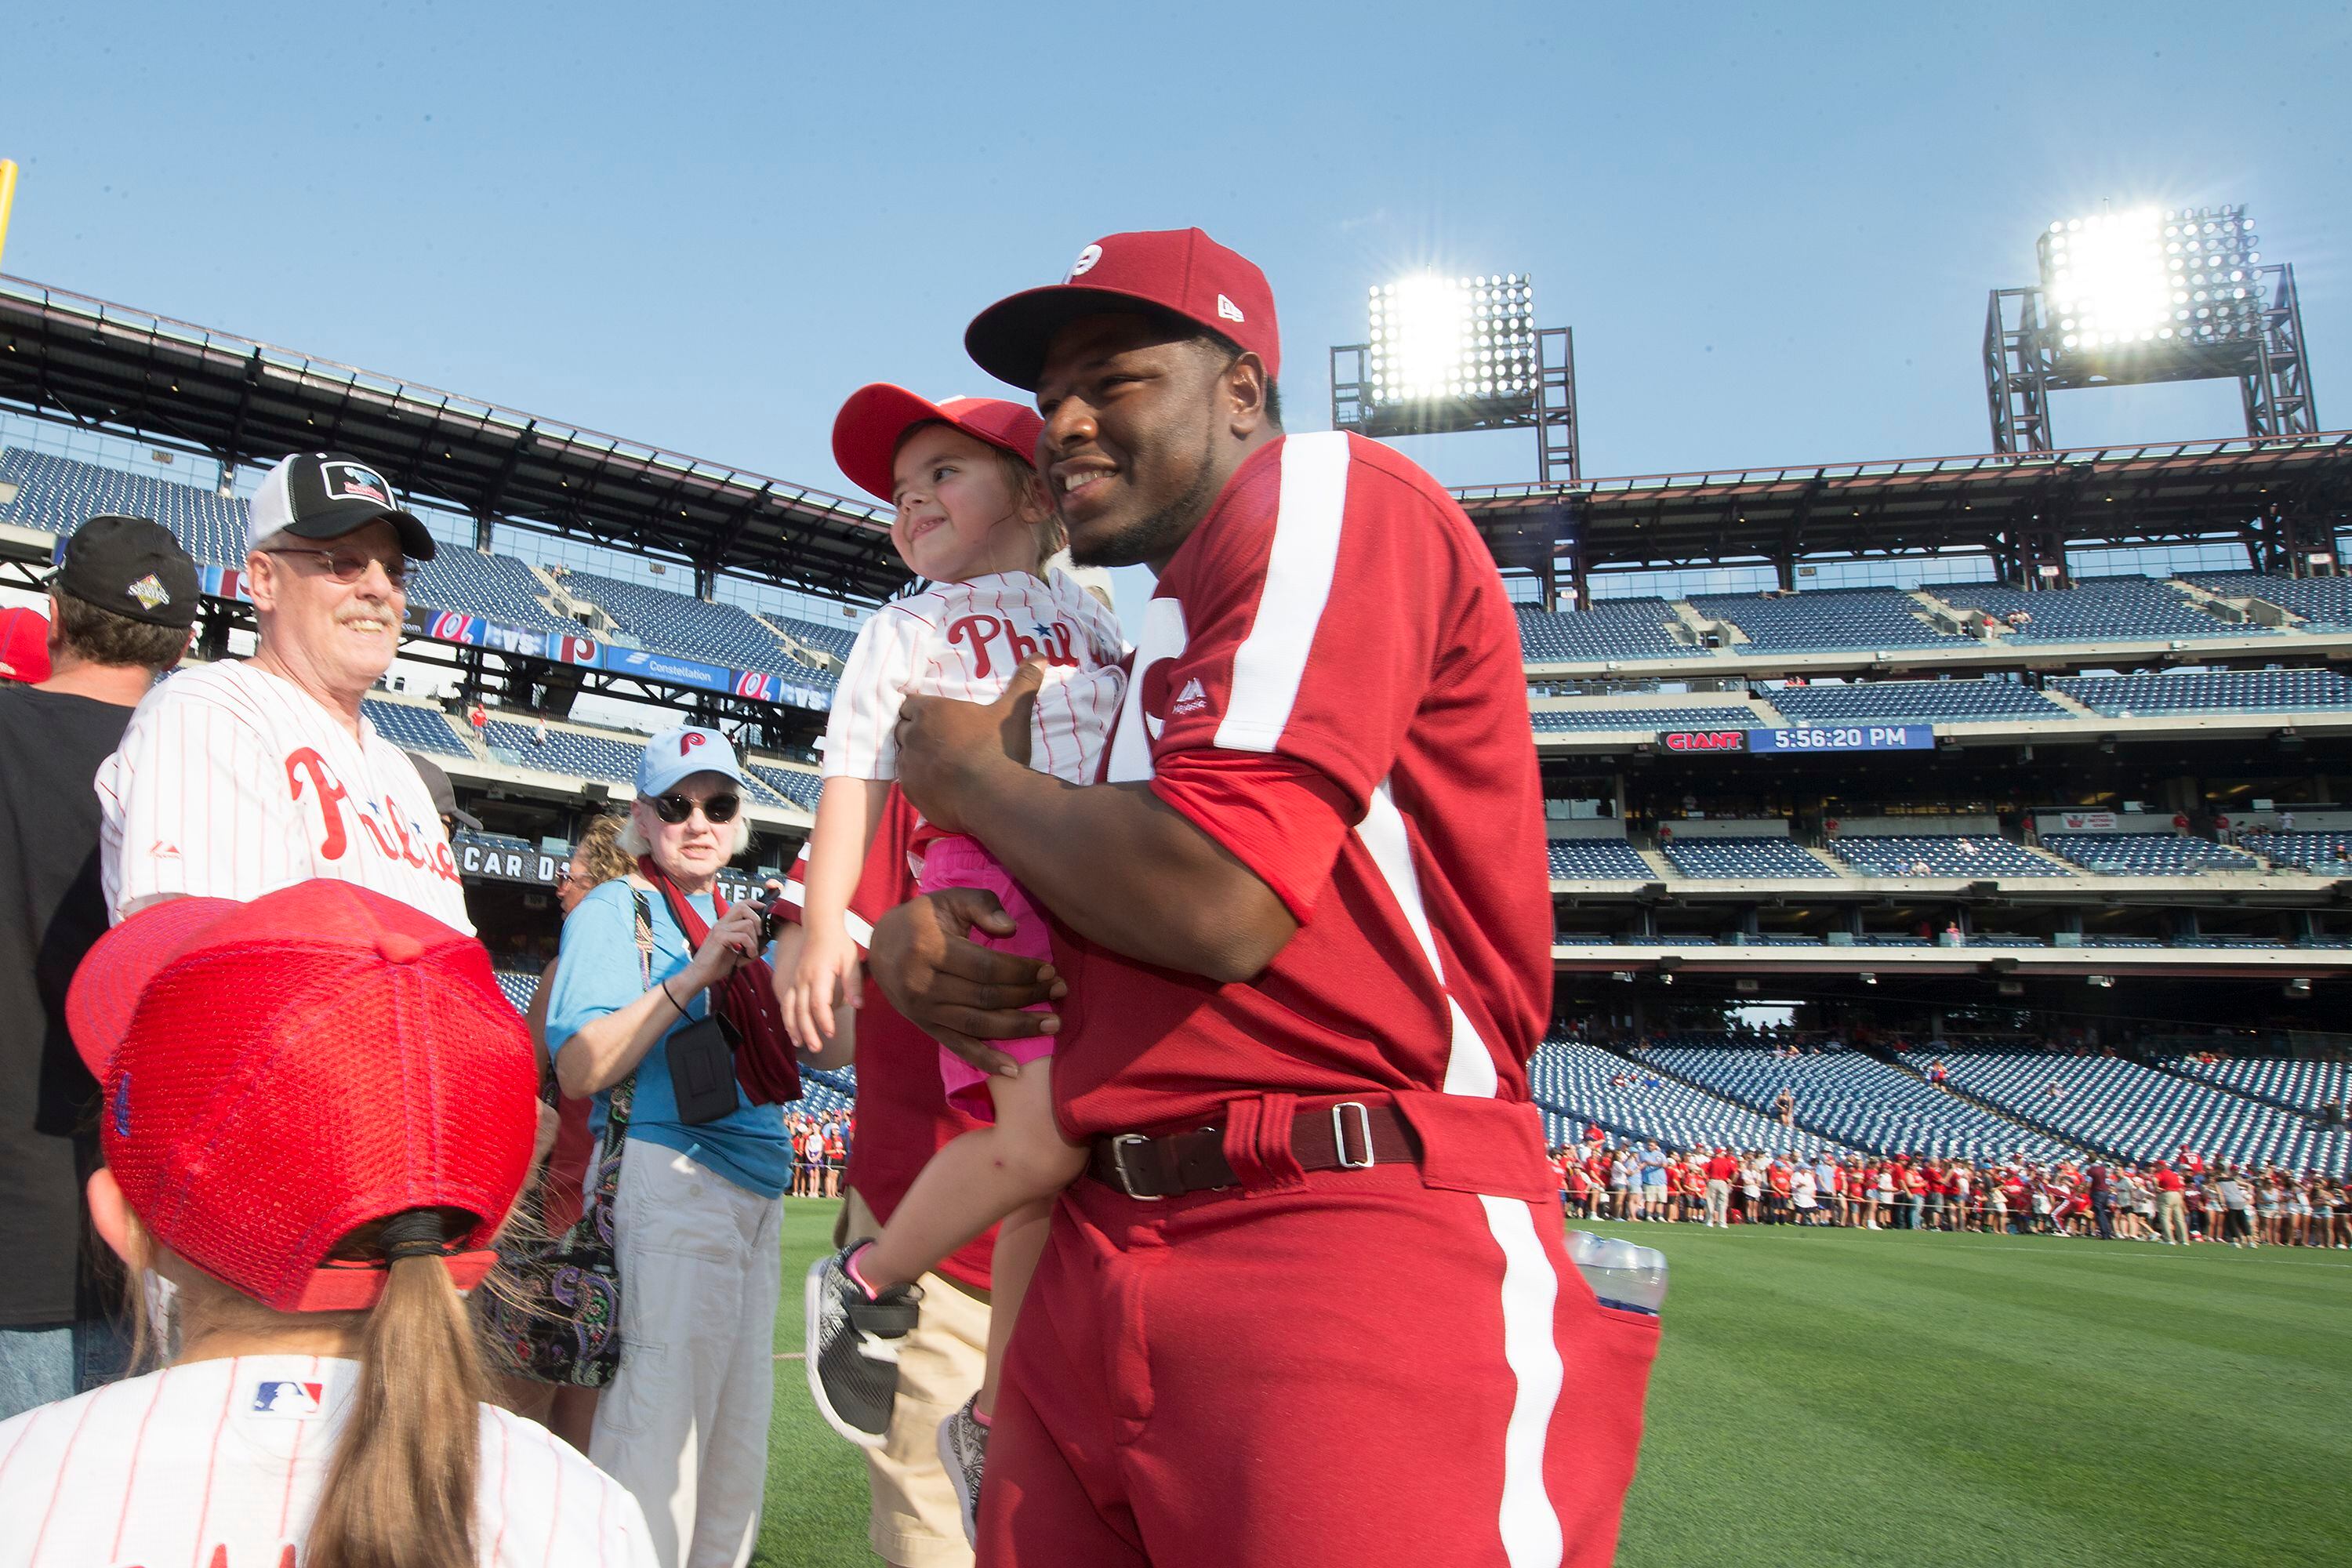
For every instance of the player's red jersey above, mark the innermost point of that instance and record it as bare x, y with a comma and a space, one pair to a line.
1335, 615
903, 1116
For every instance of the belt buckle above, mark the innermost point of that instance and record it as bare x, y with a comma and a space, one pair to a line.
1339, 1134
1118, 1147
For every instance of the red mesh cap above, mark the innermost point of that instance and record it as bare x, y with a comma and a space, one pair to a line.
866, 432
1181, 271
278, 1074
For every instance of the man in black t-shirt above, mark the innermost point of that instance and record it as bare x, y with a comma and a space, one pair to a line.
120, 607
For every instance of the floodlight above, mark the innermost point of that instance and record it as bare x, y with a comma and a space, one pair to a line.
1452, 339
2148, 281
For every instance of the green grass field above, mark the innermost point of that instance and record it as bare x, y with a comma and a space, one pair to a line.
1833, 1397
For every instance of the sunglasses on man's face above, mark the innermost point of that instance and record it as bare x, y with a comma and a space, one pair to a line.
675, 808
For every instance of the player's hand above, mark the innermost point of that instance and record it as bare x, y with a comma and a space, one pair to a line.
732, 943
944, 746
826, 977
960, 994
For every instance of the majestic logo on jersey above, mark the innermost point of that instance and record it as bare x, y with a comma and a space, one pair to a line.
1085, 262
1053, 642
1228, 309
691, 739
1194, 698
387, 829
286, 1400
150, 591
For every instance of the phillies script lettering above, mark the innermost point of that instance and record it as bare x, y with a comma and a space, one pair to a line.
1052, 643
389, 834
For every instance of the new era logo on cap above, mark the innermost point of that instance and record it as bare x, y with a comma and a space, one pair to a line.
1229, 310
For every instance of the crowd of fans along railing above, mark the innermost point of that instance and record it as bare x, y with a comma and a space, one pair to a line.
2178, 1201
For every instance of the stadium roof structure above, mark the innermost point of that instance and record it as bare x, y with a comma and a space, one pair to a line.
130, 372
2171, 493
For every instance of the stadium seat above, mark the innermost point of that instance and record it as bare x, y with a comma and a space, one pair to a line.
416, 729
2301, 1084
57, 495
1911, 702
2146, 853
1619, 630
1852, 1097
2121, 1106
566, 752
2329, 854
2099, 609
666, 622
2324, 603
1742, 857
2210, 692
1570, 1077
1945, 855
1826, 620
1644, 720
1596, 860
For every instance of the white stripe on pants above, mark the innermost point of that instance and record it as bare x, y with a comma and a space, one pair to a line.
685, 1424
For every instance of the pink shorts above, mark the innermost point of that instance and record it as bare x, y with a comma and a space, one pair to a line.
956, 861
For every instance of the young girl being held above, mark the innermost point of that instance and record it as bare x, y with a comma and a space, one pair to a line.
973, 519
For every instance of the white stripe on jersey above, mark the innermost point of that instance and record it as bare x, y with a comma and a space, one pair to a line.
958, 640
228, 1456
230, 783
1271, 663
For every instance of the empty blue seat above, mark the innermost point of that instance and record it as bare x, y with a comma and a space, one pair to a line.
1742, 857
1612, 630
1944, 854
2146, 853
2098, 609
2210, 692
1911, 702
1826, 620
1597, 861
1644, 720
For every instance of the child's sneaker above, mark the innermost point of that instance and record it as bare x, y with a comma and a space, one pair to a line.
851, 1347
963, 1452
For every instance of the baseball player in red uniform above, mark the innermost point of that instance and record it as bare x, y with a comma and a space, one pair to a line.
1310, 1304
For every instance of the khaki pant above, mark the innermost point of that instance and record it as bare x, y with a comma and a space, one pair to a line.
1718, 1202
2171, 1217
915, 1521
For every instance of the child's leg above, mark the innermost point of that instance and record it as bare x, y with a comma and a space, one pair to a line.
976, 1181
1020, 1243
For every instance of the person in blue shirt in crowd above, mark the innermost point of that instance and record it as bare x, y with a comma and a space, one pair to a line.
698, 1212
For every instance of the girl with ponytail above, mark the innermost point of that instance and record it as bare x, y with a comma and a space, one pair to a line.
315, 1111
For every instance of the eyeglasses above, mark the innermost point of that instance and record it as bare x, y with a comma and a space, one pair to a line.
675, 808
350, 566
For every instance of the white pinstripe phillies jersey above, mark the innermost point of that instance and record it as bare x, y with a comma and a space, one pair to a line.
231, 782
218, 1463
965, 640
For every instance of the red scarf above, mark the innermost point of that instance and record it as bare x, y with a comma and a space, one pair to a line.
765, 1064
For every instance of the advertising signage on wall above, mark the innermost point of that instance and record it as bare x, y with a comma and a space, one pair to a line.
577, 649
1820, 738
489, 858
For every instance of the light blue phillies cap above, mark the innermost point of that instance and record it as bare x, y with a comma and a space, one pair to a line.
678, 753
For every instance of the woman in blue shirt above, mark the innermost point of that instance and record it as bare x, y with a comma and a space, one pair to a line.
696, 1218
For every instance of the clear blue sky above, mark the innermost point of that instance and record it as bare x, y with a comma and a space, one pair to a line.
1772, 229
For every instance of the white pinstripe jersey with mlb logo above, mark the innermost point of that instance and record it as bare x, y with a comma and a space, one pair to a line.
965, 640
230, 783
219, 1464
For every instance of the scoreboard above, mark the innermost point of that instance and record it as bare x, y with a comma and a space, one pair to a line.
1816, 737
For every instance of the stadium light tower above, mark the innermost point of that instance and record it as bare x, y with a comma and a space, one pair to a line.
1460, 354
2145, 296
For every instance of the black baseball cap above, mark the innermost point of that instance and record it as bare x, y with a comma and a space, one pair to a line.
132, 567
443, 793
325, 495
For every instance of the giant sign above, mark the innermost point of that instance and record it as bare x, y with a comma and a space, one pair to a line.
1822, 738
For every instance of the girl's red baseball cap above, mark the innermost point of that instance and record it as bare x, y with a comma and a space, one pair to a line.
868, 430
1179, 271
278, 1074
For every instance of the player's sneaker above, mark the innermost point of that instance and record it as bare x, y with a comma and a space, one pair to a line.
851, 1347
963, 1453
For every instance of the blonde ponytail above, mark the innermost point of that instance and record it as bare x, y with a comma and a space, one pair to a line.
400, 1493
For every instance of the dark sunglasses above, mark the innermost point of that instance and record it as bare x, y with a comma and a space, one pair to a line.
675, 808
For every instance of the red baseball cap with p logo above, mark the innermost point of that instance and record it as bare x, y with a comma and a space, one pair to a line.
1179, 271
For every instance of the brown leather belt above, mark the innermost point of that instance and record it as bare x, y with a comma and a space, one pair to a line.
1351, 1136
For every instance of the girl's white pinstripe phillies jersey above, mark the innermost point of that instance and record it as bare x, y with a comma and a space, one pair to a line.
231, 782
218, 1463
965, 640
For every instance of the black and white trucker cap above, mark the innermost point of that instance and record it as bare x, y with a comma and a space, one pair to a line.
324, 495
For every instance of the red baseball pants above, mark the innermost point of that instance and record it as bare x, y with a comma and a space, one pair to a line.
1353, 1372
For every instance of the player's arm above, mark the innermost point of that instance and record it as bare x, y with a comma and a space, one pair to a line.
1116, 863
848, 811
